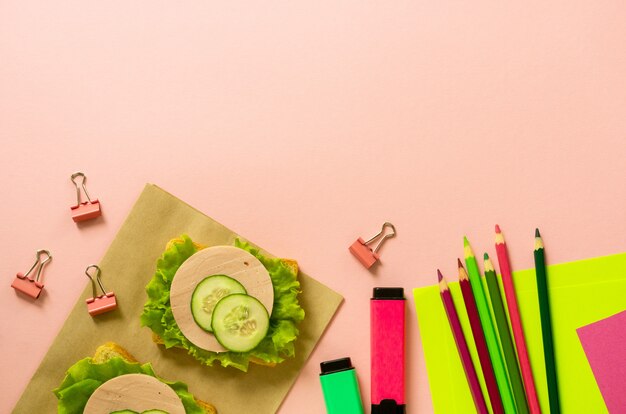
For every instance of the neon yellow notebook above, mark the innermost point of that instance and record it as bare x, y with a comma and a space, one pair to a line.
581, 292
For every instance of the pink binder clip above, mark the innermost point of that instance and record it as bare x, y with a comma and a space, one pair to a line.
87, 210
364, 253
28, 285
103, 303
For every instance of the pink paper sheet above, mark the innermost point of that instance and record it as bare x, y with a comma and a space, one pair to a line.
603, 342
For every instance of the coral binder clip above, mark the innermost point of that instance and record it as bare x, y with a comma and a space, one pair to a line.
103, 303
88, 209
28, 285
361, 250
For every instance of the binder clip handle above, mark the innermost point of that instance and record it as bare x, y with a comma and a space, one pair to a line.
364, 253
389, 235
84, 178
99, 303
39, 262
93, 282
28, 285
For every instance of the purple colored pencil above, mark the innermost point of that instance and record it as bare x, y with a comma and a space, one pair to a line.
479, 340
461, 345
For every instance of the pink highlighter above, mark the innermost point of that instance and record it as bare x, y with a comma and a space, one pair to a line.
387, 349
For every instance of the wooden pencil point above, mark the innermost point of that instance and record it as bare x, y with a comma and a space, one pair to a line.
439, 275
459, 263
538, 243
488, 265
462, 273
467, 249
499, 236
537, 233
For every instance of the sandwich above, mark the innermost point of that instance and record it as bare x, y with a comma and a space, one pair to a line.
229, 305
112, 381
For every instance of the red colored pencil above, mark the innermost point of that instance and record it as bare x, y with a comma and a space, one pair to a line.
466, 359
516, 323
479, 340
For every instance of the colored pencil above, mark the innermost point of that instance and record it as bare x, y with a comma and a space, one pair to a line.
459, 339
481, 344
516, 323
505, 336
490, 333
546, 324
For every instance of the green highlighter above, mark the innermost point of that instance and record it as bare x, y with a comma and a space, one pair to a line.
340, 387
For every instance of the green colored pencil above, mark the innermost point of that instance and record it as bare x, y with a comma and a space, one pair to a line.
546, 325
490, 333
505, 336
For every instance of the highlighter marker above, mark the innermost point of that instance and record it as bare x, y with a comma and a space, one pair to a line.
340, 387
387, 348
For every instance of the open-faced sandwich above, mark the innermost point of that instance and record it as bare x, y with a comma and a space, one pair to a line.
112, 381
224, 303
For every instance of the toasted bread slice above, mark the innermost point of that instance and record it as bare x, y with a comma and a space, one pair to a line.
111, 350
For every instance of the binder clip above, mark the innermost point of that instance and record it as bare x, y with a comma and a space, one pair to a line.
361, 250
88, 209
28, 285
103, 303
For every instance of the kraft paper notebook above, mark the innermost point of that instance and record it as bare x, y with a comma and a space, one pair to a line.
129, 264
581, 292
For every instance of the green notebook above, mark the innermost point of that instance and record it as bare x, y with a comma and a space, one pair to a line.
580, 293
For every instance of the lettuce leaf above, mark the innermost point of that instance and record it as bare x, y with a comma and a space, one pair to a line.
82, 379
286, 313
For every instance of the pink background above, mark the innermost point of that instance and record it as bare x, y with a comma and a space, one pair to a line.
303, 125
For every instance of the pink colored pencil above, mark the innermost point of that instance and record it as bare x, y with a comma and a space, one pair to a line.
479, 340
516, 323
466, 359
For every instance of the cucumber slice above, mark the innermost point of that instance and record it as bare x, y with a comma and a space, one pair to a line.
240, 322
208, 293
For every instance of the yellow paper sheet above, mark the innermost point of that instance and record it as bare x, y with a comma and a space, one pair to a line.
128, 265
580, 293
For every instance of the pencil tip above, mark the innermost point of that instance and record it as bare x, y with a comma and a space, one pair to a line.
498, 229
458, 261
486, 256
465, 241
537, 233
439, 275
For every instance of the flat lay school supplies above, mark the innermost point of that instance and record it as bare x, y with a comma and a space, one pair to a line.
581, 293
499, 369
128, 265
340, 387
387, 347
546, 323
29, 285
364, 253
83, 210
459, 339
98, 304
516, 323
604, 344
492, 381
